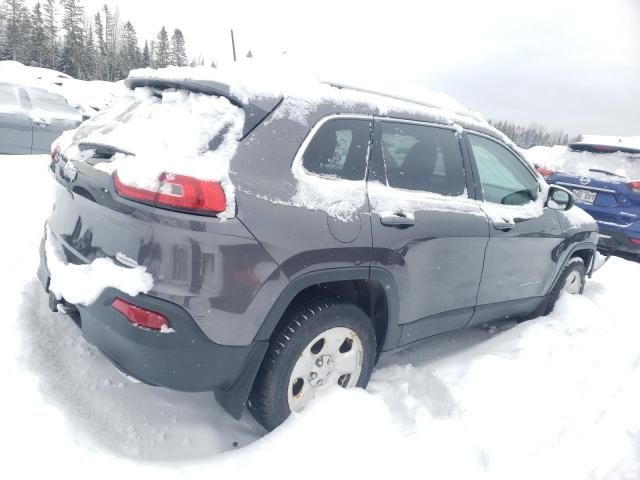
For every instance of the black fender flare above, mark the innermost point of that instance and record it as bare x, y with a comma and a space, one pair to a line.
564, 255
234, 399
306, 280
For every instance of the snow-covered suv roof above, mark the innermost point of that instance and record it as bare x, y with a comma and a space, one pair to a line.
301, 92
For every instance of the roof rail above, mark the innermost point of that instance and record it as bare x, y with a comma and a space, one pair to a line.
404, 98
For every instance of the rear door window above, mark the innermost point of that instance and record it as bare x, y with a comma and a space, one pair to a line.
8, 98
50, 102
425, 158
339, 149
503, 176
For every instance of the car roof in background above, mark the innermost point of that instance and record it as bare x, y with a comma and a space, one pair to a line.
607, 144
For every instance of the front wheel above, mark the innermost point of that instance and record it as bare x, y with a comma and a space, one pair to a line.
571, 281
324, 344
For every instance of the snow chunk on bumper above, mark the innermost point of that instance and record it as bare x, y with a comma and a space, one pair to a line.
83, 284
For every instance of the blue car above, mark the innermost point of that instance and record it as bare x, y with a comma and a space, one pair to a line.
604, 176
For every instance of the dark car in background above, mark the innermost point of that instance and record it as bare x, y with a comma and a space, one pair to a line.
285, 298
32, 118
604, 175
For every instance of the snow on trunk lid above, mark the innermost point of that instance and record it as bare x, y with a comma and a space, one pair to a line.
166, 131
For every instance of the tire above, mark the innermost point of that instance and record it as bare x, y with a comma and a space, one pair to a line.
311, 333
574, 268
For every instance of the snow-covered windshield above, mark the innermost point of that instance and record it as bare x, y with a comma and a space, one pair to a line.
616, 166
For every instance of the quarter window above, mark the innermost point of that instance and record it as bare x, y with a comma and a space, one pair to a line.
8, 96
503, 177
339, 149
423, 158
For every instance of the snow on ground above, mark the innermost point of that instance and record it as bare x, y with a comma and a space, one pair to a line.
555, 397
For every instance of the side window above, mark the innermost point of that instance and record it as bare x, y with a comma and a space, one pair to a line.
339, 149
8, 97
423, 158
50, 102
503, 177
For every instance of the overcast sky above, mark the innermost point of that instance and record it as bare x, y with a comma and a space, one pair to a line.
571, 64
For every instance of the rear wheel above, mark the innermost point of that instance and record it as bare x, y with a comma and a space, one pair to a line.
571, 281
327, 343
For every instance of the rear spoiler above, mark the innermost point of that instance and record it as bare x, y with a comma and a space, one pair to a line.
597, 148
255, 111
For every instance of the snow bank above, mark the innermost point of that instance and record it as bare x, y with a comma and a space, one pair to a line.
169, 131
83, 284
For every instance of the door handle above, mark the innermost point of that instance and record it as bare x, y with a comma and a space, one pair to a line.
504, 226
41, 123
397, 220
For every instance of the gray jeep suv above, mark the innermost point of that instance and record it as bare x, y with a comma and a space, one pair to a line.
356, 230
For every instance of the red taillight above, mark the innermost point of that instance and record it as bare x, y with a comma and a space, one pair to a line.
140, 316
55, 150
178, 191
635, 240
634, 186
545, 172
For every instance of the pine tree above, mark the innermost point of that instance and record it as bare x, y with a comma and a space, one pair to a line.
249, 54
162, 49
72, 49
100, 47
130, 57
152, 54
38, 38
51, 34
146, 55
14, 44
92, 56
178, 56
111, 31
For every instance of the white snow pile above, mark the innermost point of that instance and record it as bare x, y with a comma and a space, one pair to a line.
555, 397
164, 132
623, 167
83, 284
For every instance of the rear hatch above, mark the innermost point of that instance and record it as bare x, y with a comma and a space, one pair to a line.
604, 179
165, 145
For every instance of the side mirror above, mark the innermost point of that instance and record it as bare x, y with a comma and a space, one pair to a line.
559, 198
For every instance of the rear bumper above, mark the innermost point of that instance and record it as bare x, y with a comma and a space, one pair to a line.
612, 241
183, 360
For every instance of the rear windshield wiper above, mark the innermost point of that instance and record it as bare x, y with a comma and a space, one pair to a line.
102, 151
606, 172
